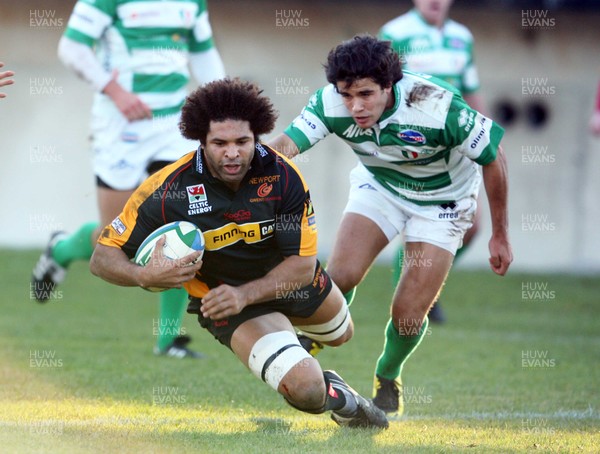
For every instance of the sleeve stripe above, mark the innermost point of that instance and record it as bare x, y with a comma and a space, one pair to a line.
298, 138
489, 154
79, 37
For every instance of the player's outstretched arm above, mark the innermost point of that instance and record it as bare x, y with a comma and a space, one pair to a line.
283, 144
495, 179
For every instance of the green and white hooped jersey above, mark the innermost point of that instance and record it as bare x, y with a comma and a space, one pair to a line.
147, 41
445, 53
423, 150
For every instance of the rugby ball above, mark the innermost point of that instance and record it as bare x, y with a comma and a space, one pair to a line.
182, 238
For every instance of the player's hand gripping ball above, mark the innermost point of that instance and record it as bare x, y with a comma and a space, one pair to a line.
182, 238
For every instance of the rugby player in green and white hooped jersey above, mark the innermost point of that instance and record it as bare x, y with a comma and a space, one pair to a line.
420, 146
431, 43
135, 55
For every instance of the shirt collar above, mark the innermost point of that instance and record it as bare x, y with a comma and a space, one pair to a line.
387, 114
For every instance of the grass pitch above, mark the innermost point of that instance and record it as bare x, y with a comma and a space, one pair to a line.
515, 369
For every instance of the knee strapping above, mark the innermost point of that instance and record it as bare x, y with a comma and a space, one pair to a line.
330, 331
274, 355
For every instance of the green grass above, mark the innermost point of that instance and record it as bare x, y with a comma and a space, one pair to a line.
467, 387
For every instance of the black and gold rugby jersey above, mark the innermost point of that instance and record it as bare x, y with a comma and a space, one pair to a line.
247, 232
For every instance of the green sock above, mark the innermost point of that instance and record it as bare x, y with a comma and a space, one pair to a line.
172, 305
349, 296
79, 246
397, 349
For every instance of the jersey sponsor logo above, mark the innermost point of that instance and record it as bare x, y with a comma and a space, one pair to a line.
118, 226
480, 135
199, 166
238, 216
356, 131
261, 150
144, 14
310, 124
198, 200
448, 211
264, 199
263, 192
412, 136
196, 193
265, 179
367, 186
199, 208
249, 233
264, 189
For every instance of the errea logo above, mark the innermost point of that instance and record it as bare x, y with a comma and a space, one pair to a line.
466, 119
448, 211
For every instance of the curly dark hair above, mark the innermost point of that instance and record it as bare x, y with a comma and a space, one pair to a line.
364, 57
226, 99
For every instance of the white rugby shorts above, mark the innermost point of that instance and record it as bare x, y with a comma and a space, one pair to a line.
441, 225
123, 150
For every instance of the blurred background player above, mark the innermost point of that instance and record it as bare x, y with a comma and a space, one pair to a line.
5, 79
137, 57
236, 288
431, 43
420, 148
